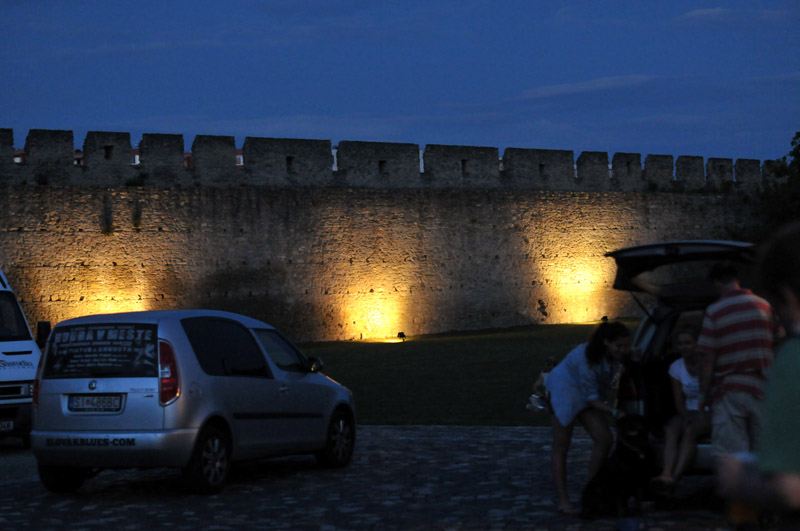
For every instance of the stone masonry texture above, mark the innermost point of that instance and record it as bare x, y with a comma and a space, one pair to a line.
366, 250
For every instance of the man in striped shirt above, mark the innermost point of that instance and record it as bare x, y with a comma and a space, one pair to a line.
736, 344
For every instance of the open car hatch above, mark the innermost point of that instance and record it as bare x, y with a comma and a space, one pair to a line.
634, 261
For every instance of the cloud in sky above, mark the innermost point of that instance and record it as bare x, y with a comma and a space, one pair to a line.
716, 13
740, 16
781, 77
583, 87
144, 47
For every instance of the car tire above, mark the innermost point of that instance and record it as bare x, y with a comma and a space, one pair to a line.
208, 467
62, 479
340, 440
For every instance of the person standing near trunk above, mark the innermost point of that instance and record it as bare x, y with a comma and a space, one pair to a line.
736, 346
736, 343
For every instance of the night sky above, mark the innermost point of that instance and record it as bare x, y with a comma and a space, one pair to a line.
716, 79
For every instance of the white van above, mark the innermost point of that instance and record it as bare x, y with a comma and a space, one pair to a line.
19, 357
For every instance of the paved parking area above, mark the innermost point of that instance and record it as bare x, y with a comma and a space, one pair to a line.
410, 477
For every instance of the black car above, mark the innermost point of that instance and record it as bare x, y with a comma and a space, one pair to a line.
669, 282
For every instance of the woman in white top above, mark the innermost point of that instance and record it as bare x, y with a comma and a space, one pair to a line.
576, 388
683, 430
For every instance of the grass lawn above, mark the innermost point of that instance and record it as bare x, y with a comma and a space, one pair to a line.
467, 378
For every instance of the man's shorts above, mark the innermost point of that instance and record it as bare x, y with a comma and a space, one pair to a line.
735, 423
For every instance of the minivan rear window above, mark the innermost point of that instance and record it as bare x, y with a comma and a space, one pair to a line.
224, 347
12, 323
102, 350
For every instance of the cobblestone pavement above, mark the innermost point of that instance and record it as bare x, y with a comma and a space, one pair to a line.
410, 477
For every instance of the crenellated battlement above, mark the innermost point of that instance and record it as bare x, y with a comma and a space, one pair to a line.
108, 159
361, 240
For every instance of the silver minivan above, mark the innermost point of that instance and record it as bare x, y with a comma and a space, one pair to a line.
195, 389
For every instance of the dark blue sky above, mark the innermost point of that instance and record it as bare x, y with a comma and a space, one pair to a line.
716, 79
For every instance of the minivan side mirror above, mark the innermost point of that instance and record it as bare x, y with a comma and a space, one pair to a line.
43, 329
315, 365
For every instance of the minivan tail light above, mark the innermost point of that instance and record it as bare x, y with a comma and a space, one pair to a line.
169, 385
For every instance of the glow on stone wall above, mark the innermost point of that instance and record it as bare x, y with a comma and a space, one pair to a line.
575, 276
108, 290
578, 287
374, 315
112, 302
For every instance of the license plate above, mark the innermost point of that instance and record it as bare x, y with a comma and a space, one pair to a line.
6, 425
95, 403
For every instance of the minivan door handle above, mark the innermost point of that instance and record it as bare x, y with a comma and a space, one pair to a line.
284, 389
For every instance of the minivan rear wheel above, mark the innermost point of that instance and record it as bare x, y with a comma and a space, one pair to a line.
62, 479
208, 468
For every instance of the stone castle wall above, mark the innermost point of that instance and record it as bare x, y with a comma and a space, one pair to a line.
363, 246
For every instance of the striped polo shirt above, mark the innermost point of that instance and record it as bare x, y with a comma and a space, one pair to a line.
739, 330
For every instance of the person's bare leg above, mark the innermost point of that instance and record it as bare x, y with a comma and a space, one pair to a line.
562, 436
595, 423
694, 429
672, 442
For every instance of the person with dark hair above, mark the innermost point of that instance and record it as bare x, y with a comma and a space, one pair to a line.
772, 478
723, 272
736, 346
576, 387
690, 423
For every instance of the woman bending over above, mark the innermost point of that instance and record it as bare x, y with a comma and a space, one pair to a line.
576, 388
